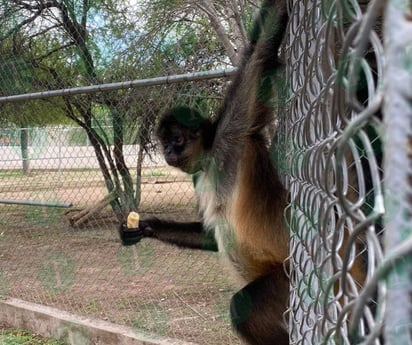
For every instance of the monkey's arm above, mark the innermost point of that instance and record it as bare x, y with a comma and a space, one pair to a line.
187, 235
248, 104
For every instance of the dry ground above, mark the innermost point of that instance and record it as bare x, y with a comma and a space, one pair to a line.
155, 288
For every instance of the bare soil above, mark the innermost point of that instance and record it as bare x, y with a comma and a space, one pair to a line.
155, 288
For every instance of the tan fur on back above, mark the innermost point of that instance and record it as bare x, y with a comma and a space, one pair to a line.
261, 234
249, 228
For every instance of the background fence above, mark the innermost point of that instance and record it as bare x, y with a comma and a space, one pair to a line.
52, 255
330, 153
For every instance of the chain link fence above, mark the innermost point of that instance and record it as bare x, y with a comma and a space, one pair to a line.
334, 135
59, 244
59, 186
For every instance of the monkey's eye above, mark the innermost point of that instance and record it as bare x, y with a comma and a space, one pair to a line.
178, 140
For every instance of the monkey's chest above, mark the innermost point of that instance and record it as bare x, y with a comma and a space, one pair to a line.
209, 205
240, 234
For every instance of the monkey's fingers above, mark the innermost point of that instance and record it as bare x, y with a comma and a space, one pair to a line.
130, 236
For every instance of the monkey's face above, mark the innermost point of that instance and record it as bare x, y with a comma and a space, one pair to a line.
182, 147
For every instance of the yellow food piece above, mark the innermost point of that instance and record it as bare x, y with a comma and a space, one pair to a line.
133, 220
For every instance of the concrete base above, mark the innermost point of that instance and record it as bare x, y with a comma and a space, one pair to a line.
75, 330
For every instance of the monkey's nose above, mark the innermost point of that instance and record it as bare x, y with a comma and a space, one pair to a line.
171, 159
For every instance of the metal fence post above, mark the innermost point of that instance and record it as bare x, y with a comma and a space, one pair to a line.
398, 171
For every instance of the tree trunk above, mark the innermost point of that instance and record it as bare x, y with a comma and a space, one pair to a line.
128, 201
208, 7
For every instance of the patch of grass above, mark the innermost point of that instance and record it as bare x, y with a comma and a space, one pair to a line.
11, 173
156, 173
20, 337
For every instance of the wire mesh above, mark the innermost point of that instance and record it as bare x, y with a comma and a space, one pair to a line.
75, 132
332, 131
76, 263
329, 149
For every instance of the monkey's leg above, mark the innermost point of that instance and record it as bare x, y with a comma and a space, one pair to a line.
186, 235
257, 310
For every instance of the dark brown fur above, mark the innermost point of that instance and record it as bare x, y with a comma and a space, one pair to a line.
240, 196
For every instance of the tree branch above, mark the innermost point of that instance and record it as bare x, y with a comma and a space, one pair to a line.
51, 52
36, 10
38, 5
46, 30
208, 7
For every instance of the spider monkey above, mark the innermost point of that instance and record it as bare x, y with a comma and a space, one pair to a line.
240, 195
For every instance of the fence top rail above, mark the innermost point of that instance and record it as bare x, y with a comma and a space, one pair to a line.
173, 79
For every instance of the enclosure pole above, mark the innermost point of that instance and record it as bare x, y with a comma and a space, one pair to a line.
172, 79
35, 203
398, 169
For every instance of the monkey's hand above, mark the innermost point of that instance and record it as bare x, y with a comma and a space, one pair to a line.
130, 236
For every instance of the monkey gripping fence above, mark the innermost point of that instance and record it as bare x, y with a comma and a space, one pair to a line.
329, 151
